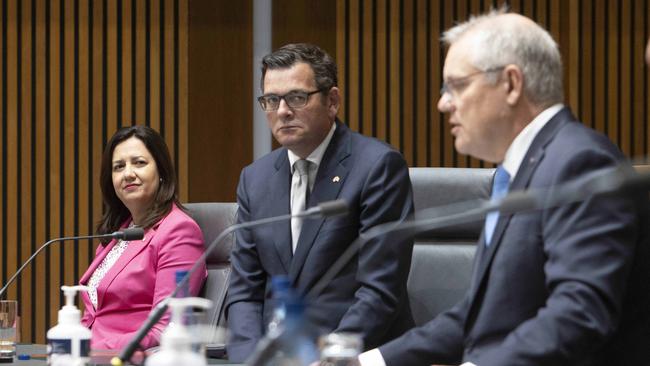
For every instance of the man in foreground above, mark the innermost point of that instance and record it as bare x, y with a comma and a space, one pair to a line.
560, 286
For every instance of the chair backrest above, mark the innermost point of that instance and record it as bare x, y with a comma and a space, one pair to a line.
213, 218
442, 258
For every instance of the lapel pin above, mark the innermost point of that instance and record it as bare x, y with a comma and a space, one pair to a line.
336, 179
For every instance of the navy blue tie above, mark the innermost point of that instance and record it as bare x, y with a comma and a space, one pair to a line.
499, 190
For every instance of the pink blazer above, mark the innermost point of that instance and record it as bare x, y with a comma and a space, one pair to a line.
142, 276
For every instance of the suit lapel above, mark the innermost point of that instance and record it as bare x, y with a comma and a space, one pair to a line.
329, 180
100, 255
279, 196
131, 251
521, 181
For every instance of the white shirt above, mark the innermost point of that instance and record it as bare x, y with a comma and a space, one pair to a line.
103, 268
520, 145
314, 158
511, 163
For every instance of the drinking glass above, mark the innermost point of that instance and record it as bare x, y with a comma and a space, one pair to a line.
340, 349
8, 309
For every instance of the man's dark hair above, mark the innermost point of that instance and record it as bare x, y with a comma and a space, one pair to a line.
115, 212
321, 63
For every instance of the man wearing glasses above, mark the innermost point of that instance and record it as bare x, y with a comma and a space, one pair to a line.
320, 160
565, 285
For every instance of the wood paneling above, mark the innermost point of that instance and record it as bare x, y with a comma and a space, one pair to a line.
220, 96
72, 72
304, 21
298, 21
390, 60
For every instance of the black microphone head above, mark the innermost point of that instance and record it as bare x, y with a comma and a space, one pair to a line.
128, 234
333, 208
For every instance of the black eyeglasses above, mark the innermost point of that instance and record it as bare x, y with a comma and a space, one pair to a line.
295, 99
452, 86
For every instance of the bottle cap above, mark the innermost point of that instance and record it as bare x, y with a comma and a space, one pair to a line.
180, 274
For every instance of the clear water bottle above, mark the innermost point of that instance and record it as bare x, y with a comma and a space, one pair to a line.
281, 286
291, 342
193, 319
340, 349
296, 344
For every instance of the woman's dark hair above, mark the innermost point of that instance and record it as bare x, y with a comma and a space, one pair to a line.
115, 213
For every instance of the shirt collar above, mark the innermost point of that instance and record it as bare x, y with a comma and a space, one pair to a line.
520, 145
317, 155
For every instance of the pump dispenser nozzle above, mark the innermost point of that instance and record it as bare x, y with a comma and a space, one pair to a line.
70, 292
69, 341
69, 313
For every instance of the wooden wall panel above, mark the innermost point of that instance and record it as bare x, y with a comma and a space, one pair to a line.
220, 96
304, 21
72, 72
602, 44
298, 21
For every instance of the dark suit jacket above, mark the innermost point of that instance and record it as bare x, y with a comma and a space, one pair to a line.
369, 295
560, 286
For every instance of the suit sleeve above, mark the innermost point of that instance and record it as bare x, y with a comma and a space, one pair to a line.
383, 262
440, 339
247, 284
589, 248
180, 248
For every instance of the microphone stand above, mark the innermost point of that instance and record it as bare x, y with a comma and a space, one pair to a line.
131, 234
324, 209
266, 346
600, 182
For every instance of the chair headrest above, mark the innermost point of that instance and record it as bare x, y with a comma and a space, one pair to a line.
213, 218
441, 187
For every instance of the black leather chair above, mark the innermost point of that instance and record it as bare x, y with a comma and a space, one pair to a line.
442, 258
213, 218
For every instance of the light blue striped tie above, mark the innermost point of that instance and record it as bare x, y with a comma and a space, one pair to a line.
499, 190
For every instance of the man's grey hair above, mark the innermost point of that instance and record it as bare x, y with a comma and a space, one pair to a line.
499, 43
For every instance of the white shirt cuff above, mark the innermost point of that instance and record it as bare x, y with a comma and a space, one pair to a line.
374, 358
371, 358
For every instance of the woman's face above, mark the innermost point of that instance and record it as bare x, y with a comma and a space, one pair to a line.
135, 175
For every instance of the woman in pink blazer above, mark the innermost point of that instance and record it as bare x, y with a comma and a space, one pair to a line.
127, 279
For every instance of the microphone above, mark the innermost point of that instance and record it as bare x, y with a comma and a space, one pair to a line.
621, 178
134, 233
603, 181
325, 209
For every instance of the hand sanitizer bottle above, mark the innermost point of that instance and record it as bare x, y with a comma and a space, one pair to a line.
68, 343
175, 343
